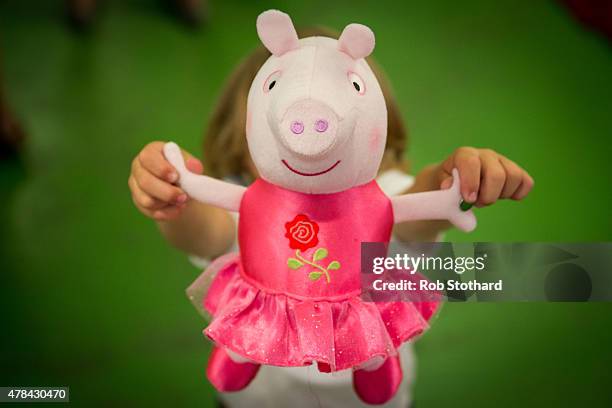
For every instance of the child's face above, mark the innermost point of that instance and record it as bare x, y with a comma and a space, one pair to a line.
316, 119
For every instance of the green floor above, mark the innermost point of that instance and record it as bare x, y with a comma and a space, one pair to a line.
92, 297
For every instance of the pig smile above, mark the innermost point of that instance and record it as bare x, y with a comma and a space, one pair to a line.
318, 173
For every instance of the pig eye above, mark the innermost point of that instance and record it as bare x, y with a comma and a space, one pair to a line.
357, 82
271, 81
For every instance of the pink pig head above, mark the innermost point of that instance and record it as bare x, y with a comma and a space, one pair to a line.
317, 120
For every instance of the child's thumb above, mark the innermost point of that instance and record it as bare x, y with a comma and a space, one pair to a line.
446, 183
193, 165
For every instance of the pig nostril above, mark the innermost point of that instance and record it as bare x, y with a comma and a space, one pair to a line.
320, 125
297, 127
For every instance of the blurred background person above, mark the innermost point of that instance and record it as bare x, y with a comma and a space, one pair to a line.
12, 135
595, 14
82, 13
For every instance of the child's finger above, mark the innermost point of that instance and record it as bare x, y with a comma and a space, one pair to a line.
142, 199
493, 180
157, 188
137, 204
154, 161
467, 161
514, 177
148, 213
525, 187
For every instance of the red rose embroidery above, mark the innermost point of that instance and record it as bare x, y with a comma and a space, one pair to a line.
302, 233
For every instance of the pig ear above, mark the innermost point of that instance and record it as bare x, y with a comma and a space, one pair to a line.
357, 41
276, 32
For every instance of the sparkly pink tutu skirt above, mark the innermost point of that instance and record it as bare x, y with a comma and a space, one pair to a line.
282, 330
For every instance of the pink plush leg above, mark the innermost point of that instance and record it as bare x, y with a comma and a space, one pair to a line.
380, 385
226, 375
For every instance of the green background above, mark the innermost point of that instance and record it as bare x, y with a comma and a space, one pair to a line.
92, 297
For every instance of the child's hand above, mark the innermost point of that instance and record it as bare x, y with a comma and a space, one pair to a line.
486, 176
151, 183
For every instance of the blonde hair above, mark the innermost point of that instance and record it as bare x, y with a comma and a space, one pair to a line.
225, 148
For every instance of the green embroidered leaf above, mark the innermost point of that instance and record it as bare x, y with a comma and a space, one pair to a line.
319, 254
313, 276
333, 265
294, 263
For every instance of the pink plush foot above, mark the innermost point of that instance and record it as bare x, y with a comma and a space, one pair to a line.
380, 385
226, 375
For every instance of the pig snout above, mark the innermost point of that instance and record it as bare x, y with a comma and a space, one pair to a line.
308, 129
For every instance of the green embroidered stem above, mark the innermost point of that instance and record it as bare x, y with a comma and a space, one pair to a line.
319, 267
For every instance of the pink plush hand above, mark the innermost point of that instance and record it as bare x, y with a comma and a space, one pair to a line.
173, 154
435, 205
464, 220
203, 188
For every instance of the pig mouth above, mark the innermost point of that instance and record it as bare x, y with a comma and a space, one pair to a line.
318, 173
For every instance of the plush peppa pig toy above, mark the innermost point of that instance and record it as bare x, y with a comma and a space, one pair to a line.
316, 129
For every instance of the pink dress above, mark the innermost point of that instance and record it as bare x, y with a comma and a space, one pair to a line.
292, 295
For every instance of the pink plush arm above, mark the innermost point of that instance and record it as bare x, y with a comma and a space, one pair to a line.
434, 205
203, 188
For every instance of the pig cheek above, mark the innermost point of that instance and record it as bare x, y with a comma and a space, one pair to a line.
375, 138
